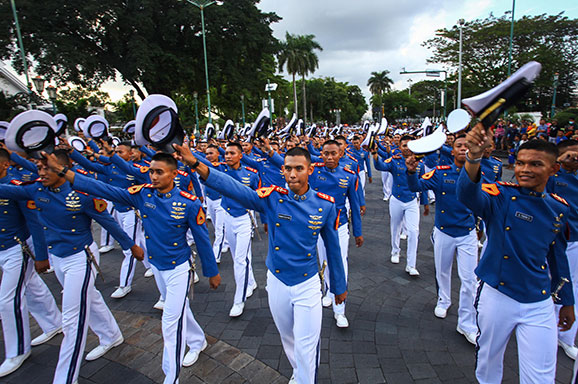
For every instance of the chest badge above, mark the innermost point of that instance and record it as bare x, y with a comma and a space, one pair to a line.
524, 216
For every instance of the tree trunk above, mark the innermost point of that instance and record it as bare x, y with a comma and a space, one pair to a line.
304, 103
295, 96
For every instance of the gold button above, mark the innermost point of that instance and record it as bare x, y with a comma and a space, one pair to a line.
320, 209
2, 246
443, 193
146, 237
554, 242
506, 257
45, 228
561, 215
308, 254
73, 230
280, 200
175, 244
149, 195
314, 233
74, 249
5, 212
305, 274
228, 209
514, 198
144, 216
174, 262
543, 267
543, 291
502, 283
316, 189
74, 217
507, 228
50, 247
441, 227
277, 224
276, 248
150, 257
469, 229
178, 226
277, 271
445, 174
443, 211
3, 229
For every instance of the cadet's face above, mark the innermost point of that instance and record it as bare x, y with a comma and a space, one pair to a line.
212, 155
330, 155
459, 150
396, 139
289, 145
342, 146
233, 156
534, 168
450, 140
48, 177
202, 147
135, 154
356, 144
123, 151
162, 176
247, 147
4, 165
296, 171
405, 151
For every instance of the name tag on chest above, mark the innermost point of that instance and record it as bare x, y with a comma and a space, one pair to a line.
449, 181
524, 216
150, 205
284, 217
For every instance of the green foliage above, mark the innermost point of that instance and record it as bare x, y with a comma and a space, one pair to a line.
396, 99
550, 40
79, 102
564, 116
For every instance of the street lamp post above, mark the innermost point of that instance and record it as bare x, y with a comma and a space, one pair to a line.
337, 112
21, 46
409, 81
433, 73
131, 92
243, 108
511, 39
461, 23
39, 85
553, 111
196, 97
51, 90
202, 4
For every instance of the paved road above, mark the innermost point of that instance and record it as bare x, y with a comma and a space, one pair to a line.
394, 336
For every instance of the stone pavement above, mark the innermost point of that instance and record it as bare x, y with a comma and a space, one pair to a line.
393, 337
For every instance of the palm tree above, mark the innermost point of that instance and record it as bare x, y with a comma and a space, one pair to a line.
309, 63
378, 83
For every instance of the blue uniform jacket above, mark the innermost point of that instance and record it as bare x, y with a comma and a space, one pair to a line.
270, 174
341, 184
362, 157
565, 184
398, 170
166, 219
66, 216
526, 239
491, 170
452, 217
295, 223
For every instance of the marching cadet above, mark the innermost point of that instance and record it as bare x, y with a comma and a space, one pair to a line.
454, 233
565, 184
524, 266
21, 289
292, 277
66, 216
239, 226
363, 159
403, 206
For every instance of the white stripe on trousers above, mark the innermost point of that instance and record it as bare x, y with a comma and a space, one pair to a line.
238, 232
297, 314
22, 290
407, 213
343, 233
387, 184
82, 306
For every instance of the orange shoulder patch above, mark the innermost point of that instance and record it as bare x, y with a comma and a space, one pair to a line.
99, 205
443, 167
349, 170
144, 169
188, 195
251, 169
31, 204
201, 216
388, 160
82, 171
491, 189
427, 176
560, 199
137, 188
182, 173
326, 197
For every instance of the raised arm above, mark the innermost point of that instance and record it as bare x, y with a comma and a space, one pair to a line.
87, 164
24, 163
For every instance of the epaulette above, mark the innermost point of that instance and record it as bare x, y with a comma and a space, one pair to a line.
81, 171
497, 158
16, 182
137, 165
443, 167
326, 197
388, 160
182, 173
188, 195
147, 162
82, 193
318, 164
23, 183
428, 175
137, 188
506, 184
349, 170
251, 169
266, 191
560, 199
491, 189
352, 158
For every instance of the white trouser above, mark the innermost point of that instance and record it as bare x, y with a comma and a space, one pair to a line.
362, 178
387, 182
178, 323
218, 219
238, 231
409, 214
343, 232
130, 223
535, 327
297, 313
82, 306
105, 237
22, 290
466, 250
569, 336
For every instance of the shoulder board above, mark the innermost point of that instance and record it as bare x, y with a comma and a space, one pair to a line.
326, 197
349, 170
266, 191
506, 184
443, 167
497, 158
251, 169
183, 173
352, 158
82, 193
147, 162
428, 175
81, 171
491, 189
137, 165
216, 164
318, 164
137, 188
23, 183
560, 199
188, 195
388, 160
16, 182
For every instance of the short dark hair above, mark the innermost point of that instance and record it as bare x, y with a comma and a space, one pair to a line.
541, 146
212, 146
236, 145
405, 137
330, 142
298, 151
340, 137
165, 158
4, 155
62, 156
356, 137
563, 145
125, 143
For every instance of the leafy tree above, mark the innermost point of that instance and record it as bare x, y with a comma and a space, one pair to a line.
378, 83
549, 40
79, 102
397, 100
428, 94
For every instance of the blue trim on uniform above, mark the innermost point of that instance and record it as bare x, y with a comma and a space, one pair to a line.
246, 272
180, 330
222, 242
18, 303
476, 301
81, 320
131, 261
